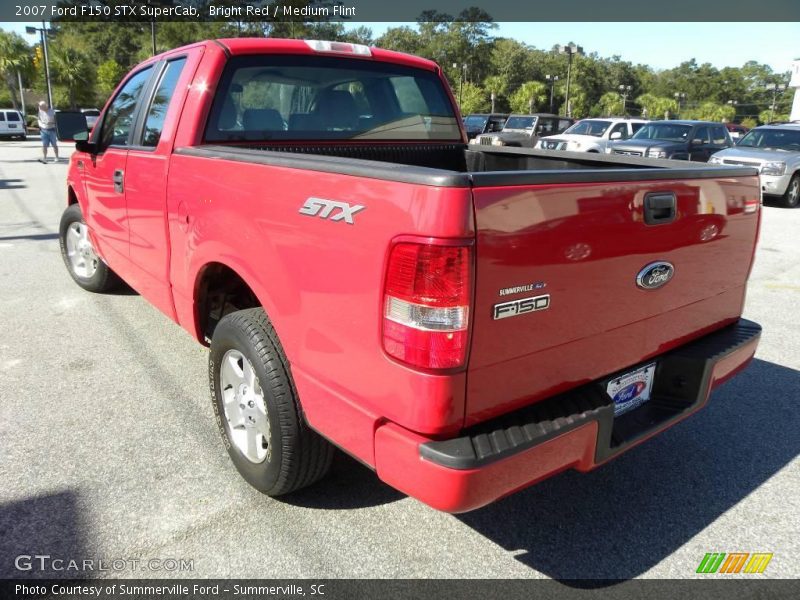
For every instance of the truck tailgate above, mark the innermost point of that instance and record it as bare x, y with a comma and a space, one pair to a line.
583, 245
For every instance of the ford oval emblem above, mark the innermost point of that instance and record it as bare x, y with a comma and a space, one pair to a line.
654, 275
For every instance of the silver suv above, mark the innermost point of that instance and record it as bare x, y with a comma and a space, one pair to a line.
775, 151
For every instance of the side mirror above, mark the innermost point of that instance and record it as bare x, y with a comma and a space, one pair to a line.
615, 136
70, 124
82, 143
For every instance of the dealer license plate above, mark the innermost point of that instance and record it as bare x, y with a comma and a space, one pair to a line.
631, 389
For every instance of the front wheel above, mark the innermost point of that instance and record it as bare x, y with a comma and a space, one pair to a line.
791, 197
257, 410
86, 268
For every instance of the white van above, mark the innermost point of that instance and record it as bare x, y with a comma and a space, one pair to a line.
12, 125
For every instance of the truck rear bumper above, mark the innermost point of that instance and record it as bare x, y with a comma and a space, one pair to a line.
572, 430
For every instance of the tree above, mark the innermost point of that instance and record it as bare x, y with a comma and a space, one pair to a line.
473, 99
610, 104
657, 107
529, 96
73, 70
109, 74
711, 111
15, 60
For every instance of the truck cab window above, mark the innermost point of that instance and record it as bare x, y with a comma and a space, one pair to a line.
119, 117
158, 107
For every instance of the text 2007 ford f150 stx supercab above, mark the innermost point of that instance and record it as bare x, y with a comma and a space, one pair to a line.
464, 320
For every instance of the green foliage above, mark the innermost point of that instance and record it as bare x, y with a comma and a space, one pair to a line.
530, 95
657, 107
710, 111
610, 105
473, 99
749, 122
15, 58
74, 71
109, 74
768, 116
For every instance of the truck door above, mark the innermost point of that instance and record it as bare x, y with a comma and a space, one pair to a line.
146, 181
700, 147
104, 172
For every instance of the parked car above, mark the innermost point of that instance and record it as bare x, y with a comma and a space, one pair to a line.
525, 130
359, 280
12, 124
476, 124
92, 114
736, 131
679, 140
592, 135
775, 151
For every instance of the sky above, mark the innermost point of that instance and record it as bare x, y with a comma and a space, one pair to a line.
661, 45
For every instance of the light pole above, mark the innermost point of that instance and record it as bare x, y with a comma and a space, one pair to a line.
624, 90
43, 32
679, 98
570, 50
462, 77
775, 88
551, 79
493, 99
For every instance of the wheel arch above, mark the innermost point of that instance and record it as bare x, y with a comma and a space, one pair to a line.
219, 289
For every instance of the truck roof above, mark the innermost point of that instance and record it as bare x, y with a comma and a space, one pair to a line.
242, 46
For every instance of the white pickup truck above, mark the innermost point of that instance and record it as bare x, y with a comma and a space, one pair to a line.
592, 135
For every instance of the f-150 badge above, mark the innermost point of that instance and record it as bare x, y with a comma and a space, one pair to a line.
319, 207
520, 307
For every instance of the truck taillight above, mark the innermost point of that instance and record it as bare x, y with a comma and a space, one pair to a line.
338, 47
426, 304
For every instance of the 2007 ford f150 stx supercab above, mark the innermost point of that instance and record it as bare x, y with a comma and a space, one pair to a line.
464, 320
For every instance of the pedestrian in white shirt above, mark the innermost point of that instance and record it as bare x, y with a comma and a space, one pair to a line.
47, 130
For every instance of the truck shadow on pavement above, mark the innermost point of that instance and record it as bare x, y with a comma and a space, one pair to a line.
621, 520
49, 525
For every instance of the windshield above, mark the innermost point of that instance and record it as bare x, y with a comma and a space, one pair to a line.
263, 98
772, 139
475, 123
520, 123
589, 127
663, 131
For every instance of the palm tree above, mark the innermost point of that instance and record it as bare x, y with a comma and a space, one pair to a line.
528, 96
70, 69
15, 60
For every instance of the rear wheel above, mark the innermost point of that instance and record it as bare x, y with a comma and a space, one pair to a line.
83, 264
257, 409
791, 197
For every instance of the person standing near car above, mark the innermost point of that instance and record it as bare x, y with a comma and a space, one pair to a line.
47, 130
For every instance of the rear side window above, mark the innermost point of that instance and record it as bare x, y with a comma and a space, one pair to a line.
718, 136
157, 113
701, 133
119, 116
265, 98
13, 116
2, 116
636, 127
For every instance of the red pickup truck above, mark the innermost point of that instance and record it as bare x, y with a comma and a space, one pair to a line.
464, 320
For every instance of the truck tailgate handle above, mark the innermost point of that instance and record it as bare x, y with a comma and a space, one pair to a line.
118, 181
659, 208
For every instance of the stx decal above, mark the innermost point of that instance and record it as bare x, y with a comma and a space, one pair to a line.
319, 207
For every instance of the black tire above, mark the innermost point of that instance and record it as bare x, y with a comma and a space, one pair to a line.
296, 456
791, 197
103, 279
24, 138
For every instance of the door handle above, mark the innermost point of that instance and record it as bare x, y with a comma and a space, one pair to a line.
119, 178
659, 208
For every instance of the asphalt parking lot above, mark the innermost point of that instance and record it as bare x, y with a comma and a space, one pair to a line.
108, 451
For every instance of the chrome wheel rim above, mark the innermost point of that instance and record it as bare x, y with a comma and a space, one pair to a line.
244, 406
81, 254
794, 191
